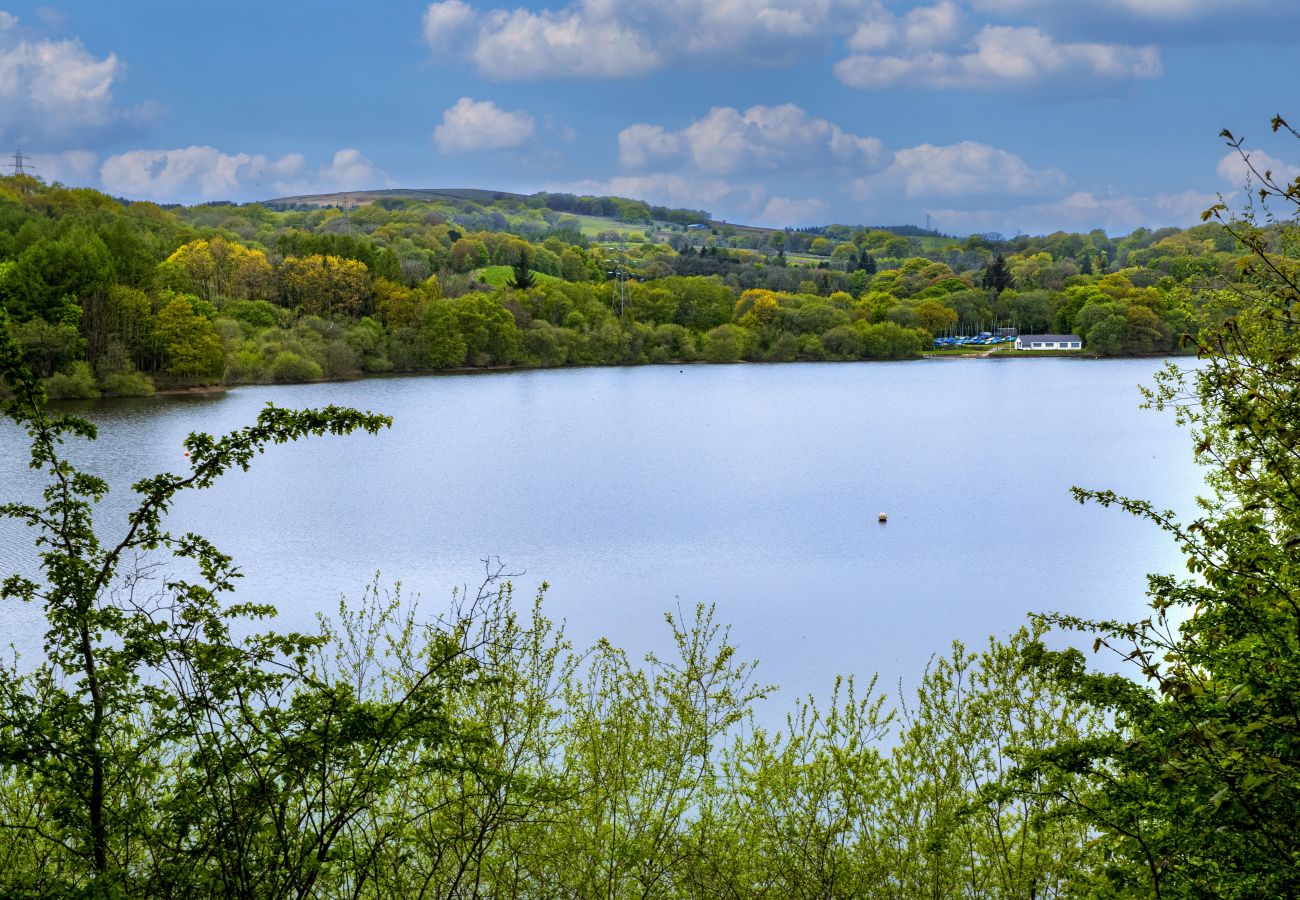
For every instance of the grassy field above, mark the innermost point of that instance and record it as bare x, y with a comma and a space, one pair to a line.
497, 276
594, 225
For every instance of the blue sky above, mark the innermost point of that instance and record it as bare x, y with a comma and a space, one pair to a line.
987, 115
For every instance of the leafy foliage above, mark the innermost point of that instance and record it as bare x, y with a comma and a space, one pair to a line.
1195, 791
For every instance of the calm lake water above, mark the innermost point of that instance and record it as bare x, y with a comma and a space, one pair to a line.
634, 490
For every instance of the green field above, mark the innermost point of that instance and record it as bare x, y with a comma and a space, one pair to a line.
594, 225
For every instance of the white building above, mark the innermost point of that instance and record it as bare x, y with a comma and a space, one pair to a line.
1049, 342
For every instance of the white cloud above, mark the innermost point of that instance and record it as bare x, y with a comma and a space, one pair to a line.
348, 170
960, 169
1233, 169
767, 138
1164, 22
189, 172
448, 24
482, 125
783, 211
1159, 10
69, 167
1082, 211
526, 45
54, 90
1003, 56
205, 173
642, 145
933, 26
623, 38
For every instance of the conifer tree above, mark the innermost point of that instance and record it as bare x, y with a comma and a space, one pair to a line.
997, 275
523, 277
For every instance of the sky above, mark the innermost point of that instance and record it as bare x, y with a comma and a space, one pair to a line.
1014, 116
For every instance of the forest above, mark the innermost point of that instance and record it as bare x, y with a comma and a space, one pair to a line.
165, 746
110, 297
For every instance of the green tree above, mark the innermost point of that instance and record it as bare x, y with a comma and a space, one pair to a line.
82, 734
51, 275
190, 343
1195, 792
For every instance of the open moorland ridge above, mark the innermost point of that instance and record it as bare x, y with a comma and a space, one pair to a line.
111, 297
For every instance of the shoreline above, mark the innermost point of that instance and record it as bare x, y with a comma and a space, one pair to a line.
215, 389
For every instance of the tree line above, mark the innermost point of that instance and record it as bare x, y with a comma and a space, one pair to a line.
119, 298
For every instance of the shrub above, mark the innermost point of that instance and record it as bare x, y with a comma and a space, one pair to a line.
844, 342
75, 382
290, 367
128, 384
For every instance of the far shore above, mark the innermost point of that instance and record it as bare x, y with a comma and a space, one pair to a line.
213, 389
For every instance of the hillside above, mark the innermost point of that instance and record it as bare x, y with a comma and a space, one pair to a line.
113, 297
591, 224
361, 198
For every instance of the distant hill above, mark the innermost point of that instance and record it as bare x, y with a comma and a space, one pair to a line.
359, 198
657, 213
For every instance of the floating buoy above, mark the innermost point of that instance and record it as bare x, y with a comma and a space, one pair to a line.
882, 518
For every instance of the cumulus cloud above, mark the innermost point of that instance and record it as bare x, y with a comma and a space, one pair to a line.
960, 169
783, 211
933, 26
762, 138
1004, 56
1161, 21
205, 173
1159, 10
482, 125
623, 38
1233, 169
349, 170
70, 167
642, 145
51, 90
187, 172
1082, 211
448, 24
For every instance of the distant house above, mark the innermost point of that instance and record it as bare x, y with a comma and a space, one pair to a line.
1049, 342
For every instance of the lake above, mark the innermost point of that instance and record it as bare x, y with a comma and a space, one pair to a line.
635, 490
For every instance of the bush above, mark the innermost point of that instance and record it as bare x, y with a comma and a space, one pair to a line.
844, 342
127, 384
810, 345
244, 366
726, 343
784, 348
290, 367
76, 382
340, 359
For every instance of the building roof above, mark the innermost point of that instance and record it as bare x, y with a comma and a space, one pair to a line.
1050, 339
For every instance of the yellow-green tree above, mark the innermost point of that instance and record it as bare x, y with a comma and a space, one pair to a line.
933, 316
219, 268
323, 285
190, 343
756, 307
